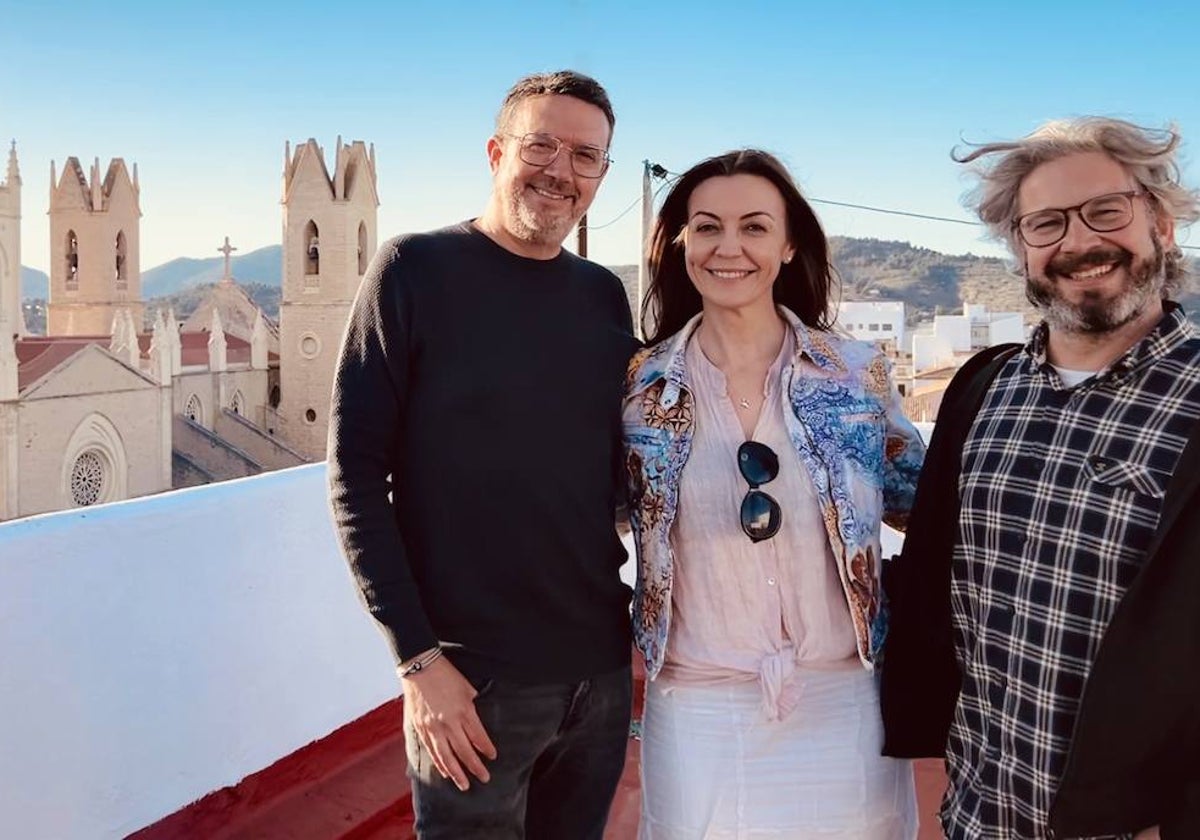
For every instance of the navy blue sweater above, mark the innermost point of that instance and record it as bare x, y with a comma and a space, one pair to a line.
473, 454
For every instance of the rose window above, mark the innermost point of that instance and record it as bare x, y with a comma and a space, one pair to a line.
87, 479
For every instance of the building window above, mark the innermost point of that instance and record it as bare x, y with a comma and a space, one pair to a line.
121, 274
238, 404
887, 327
88, 478
873, 328
72, 261
363, 256
194, 410
275, 397
310, 416
310, 345
312, 249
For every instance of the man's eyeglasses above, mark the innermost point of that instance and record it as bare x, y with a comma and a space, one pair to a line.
1103, 214
542, 149
761, 515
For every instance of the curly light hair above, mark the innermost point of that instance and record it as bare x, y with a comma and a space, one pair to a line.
1149, 155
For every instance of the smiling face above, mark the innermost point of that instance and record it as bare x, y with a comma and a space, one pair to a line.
534, 207
1093, 282
735, 240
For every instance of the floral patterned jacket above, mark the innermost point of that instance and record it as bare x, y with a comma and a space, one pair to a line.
862, 455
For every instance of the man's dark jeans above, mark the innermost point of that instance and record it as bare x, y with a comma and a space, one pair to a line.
560, 750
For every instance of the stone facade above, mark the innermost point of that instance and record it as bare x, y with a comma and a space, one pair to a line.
329, 236
91, 430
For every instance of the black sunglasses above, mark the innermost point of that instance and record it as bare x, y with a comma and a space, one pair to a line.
761, 515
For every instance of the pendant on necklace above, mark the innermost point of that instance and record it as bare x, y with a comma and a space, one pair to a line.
744, 403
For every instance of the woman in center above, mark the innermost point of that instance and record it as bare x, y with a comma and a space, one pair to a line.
762, 452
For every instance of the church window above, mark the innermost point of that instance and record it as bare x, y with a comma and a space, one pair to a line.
275, 397
193, 410
238, 404
72, 261
88, 478
363, 256
312, 249
122, 276
310, 346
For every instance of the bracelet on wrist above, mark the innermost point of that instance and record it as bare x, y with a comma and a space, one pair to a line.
421, 662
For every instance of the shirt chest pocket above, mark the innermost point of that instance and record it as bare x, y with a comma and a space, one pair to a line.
1126, 475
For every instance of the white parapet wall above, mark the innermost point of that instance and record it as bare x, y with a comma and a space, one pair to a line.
156, 650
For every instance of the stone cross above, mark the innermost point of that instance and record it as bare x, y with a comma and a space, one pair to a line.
226, 249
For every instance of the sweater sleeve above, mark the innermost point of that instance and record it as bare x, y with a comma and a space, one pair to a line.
366, 422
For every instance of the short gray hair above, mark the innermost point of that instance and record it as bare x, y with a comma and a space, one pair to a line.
561, 83
1149, 155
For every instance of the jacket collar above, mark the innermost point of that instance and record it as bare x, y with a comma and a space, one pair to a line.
666, 360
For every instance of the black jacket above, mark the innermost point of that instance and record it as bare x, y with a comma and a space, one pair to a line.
1134, 759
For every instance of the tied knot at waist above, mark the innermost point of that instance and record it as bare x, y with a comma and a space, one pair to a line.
781, 691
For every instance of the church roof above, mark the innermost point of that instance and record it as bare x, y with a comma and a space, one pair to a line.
38, 355
237, 311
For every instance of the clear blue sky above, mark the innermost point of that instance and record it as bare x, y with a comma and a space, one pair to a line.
862, 100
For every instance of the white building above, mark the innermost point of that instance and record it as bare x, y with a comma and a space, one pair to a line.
950, 338
873, 320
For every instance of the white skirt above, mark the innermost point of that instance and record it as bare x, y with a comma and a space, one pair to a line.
715, 768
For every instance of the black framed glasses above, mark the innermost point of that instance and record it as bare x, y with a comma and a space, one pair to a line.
541, 150
1103, 214
761, 515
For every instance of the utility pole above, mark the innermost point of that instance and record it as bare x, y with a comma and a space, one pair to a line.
643, 266
581, 233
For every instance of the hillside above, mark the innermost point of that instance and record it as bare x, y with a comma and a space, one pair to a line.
264, 266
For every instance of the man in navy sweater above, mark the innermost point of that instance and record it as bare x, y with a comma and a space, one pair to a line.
473, 446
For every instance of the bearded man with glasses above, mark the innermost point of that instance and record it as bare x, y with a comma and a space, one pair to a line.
1045, 638
473, 452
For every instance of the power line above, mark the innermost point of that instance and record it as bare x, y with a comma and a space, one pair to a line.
907, 213
675, 176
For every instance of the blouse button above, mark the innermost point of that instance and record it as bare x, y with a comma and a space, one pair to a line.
770, 581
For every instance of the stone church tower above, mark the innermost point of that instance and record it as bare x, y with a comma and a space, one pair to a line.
94, 249
11, 320
329, 236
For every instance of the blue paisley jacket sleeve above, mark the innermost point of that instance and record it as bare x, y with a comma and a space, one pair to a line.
845, 421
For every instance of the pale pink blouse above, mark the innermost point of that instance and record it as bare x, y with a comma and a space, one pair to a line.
746, 611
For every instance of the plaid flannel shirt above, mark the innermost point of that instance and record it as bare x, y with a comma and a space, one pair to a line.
1061, 491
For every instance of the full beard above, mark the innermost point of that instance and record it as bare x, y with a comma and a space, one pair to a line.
538, 227
1096, 313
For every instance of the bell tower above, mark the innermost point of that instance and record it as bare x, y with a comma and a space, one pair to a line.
329, 237
94, 248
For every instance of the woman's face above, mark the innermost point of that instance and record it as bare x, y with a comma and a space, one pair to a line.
735, 239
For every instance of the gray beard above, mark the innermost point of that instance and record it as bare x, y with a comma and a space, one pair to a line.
529, 226
1096, 315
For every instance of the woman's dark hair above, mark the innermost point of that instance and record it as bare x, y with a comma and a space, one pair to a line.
804, 285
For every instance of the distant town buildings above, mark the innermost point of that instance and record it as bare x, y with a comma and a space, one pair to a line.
925, 359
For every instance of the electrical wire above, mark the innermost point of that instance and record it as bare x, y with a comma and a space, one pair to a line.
675, 176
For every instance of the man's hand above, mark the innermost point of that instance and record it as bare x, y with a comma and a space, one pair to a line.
1147, 834
442, 708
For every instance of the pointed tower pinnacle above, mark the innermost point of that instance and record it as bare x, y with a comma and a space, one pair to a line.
217, 357
14, 172
259, 342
